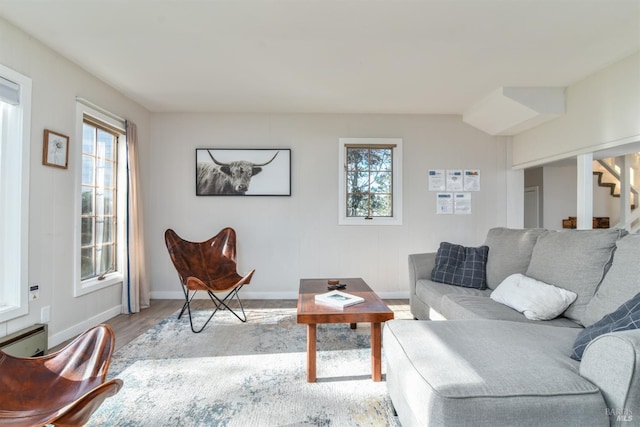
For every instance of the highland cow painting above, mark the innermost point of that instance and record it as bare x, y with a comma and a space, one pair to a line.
243, 172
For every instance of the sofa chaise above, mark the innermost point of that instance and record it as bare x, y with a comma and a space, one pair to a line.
492, 364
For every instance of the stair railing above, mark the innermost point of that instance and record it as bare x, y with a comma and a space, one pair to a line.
633, 223
616, 175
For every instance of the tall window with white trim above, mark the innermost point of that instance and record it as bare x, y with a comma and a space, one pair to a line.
99, 178
15, 122
100, 204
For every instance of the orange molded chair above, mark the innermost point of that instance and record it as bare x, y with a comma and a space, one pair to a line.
62, 388
208, 266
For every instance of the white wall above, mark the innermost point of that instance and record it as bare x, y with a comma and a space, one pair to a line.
284, 238
287, 238
602, 112
560, 199
56, 83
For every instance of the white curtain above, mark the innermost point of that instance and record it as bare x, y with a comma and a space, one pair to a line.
136, 292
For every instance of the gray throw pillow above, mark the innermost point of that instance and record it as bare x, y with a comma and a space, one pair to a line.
626, 317
509, 252
461, 266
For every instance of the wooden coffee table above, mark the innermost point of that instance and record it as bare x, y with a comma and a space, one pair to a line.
372, 310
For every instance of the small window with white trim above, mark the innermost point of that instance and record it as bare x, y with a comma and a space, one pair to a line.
370, 181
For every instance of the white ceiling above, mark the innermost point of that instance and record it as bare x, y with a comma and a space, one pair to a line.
330, 56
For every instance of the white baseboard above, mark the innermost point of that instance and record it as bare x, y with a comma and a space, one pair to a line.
394, 295
266, 295
79, 328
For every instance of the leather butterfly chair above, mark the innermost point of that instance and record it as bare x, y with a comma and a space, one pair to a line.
63, 388
208, 266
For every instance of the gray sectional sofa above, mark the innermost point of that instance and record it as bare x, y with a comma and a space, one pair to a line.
487, 364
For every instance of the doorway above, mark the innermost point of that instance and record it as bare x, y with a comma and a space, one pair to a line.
531, 207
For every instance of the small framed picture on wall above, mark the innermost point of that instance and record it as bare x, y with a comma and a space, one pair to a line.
55, 151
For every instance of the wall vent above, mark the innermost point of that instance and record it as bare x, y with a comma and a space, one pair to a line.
28, 342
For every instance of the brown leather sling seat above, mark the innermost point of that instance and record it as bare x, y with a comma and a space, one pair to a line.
62, 388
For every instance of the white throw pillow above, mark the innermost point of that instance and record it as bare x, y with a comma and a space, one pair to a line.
536, 300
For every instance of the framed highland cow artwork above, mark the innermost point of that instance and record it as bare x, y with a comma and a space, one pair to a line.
243, 172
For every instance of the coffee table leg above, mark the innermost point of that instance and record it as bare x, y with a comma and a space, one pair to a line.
311, 352
376, 351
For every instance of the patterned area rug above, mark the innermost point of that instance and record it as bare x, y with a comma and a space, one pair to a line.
251, 374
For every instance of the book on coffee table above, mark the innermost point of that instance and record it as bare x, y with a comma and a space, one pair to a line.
338, 299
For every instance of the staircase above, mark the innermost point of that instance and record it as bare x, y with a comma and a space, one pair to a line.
614, 187
608, 174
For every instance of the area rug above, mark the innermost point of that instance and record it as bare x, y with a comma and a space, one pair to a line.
246, 374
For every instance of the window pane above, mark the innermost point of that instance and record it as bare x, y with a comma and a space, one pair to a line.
358, 182
352, 182
88, 136
357, 159
87, 200
87, 170
108, 202
99, 172
108, 174
358, 205
380, 159
381, 182
99, 206
108, 232
381, 205
105, 260
99, 231
105, 145
87, 263
87, 231
104, 230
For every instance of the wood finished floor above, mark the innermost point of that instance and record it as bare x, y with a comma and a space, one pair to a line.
129, 326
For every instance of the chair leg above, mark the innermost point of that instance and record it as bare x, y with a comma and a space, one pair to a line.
187, 300
187, 306
221, 302
205, 323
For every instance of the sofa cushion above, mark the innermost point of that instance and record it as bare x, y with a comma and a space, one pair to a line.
509, 252
460, 266
575, 260
431, 293
487, 373
473, 307
536, 300
625, 318
621, 282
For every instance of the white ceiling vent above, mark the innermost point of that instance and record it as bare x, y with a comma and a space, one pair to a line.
511, 110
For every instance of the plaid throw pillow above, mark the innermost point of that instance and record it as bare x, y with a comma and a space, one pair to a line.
461, 266
626, 317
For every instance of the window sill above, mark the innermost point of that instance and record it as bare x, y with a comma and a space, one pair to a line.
374, 221
93, 284
10, 312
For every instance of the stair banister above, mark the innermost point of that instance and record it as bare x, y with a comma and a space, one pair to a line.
616, 175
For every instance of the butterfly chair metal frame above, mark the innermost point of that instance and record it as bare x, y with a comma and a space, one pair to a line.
63, 388
208, 266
